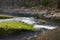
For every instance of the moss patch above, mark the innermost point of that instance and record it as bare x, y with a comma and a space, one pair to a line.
15, 25
5, 17
11, 27
41, 21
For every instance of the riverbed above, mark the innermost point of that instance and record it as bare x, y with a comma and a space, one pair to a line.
39, 28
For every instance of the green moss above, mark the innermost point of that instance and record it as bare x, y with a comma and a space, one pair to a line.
41, 21
10, 27
5, 17
15, 25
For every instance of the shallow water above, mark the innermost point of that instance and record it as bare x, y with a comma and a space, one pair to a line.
22, 35
26, 35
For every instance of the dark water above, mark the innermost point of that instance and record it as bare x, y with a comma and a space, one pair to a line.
23, 35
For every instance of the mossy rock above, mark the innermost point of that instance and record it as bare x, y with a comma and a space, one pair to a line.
41, 21
9, 27
5, 17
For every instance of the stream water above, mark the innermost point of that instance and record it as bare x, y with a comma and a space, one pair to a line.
27, 35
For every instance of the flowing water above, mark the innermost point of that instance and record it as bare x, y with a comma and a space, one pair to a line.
27, 35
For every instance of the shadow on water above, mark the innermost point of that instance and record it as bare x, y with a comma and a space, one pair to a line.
19, 35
